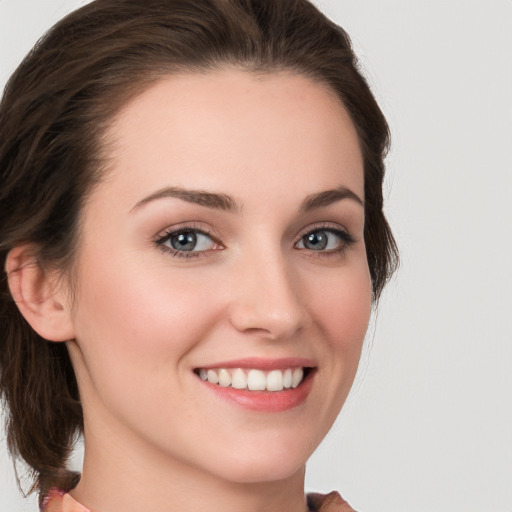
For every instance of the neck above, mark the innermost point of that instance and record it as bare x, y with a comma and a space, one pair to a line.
116, 478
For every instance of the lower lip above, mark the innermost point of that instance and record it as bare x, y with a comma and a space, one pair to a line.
266, 401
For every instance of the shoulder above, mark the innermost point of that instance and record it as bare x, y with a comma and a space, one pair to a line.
59, 501
331, 502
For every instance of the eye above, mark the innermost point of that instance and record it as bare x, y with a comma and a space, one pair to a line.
327, 240
182, 241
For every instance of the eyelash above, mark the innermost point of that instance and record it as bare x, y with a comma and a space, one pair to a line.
346, 241
162, 239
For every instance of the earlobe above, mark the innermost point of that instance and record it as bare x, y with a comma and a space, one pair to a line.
38, 296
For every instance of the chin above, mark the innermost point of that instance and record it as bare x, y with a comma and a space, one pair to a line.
265, 463
256, 473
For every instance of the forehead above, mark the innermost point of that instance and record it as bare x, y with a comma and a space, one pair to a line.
230, 128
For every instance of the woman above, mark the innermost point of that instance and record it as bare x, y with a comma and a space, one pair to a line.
193, 236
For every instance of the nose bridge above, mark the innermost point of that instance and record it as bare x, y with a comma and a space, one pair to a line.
267, 296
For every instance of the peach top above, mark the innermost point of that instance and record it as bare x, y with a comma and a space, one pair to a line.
59, 501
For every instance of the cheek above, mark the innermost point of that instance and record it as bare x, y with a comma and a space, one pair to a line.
340, 304
342, 307
135, 319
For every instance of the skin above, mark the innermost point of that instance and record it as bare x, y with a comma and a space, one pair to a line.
145, 317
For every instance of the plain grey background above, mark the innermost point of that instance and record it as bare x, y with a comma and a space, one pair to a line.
428, 426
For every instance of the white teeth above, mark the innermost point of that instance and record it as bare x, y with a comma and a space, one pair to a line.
212, 376
254, 380
275, 381
287, 378
224, 378
297, 376
239, 379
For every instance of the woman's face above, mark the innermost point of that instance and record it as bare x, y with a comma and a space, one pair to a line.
225, 242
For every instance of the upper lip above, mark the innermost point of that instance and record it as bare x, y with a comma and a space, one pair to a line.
264, 364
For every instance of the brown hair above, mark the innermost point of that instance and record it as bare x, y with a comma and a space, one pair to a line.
53, 114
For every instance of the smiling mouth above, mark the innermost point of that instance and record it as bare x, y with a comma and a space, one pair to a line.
253, 379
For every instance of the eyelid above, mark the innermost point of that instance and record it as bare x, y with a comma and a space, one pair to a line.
327, 226
188, 226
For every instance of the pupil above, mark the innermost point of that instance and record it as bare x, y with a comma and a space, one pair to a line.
316, 241
184, 241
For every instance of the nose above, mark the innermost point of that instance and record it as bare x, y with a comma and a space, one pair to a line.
267, 299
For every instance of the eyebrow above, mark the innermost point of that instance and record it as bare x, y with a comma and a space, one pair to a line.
200, 197
225, 202
328, 197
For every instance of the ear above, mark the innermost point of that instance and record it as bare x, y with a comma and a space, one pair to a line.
37, 293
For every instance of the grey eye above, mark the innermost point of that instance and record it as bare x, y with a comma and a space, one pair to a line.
185, 241
324, 240
189, 241
316, 241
